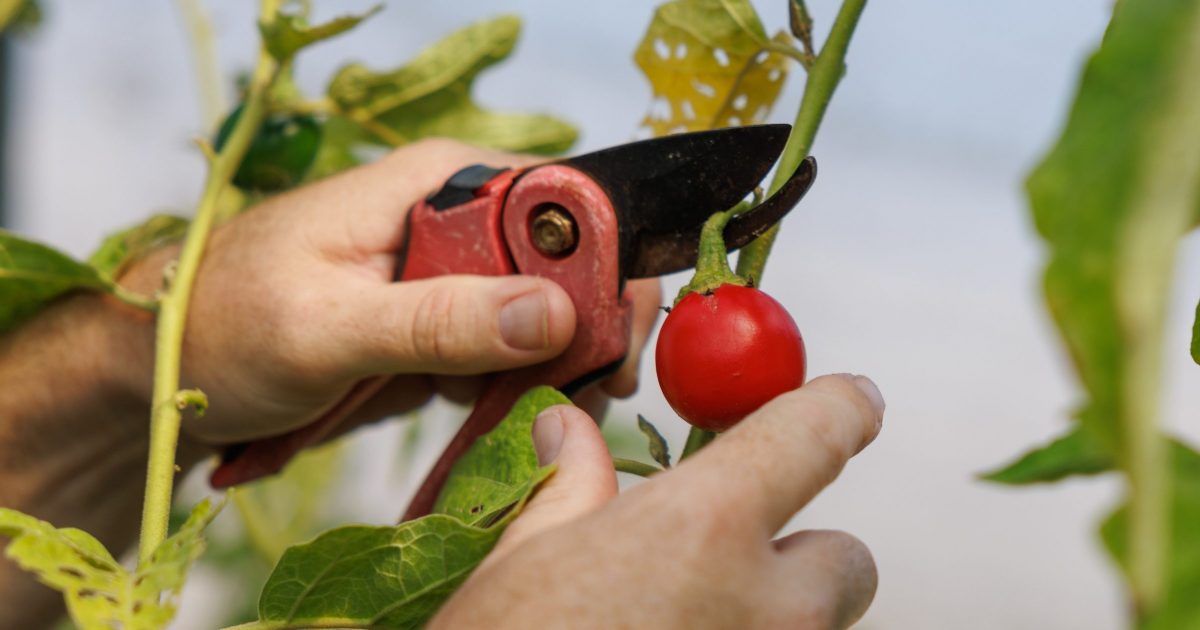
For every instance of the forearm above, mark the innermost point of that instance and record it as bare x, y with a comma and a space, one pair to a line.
73, 431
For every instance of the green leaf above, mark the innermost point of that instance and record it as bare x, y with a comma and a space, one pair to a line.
708, 64
373, 577
1113, 198
1196, 336
99, 591
287, 34
660, 451
431, 96
1181, 608
1076, 453
501, 467
397, 577
126, 247
32, 274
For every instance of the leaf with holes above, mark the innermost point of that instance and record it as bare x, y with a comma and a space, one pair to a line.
124, 248
32, 274
99, 592
710, 65
431, 96
397, 577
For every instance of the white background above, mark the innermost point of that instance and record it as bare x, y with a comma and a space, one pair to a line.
913, 259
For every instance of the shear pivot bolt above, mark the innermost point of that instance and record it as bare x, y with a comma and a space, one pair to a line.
554, 231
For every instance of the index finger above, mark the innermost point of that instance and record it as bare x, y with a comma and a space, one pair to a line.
776, 460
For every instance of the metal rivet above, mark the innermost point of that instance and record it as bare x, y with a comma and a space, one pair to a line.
553, 230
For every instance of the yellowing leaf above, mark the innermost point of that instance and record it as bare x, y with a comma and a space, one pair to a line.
431, 96
19, 15
708, 64
99, 592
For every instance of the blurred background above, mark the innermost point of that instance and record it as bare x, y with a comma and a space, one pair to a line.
912, 260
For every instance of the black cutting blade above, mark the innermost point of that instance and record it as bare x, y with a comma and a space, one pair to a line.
660, 253
667, 187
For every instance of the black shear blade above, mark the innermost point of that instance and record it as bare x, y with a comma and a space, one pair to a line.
672, 182
660, 253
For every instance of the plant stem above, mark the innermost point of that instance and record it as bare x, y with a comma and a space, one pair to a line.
823, 78
634, 467
696, 440
204, 55
173, 306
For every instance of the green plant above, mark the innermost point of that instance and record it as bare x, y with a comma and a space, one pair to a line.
277, 138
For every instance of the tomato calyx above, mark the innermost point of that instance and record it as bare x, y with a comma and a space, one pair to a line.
712, 262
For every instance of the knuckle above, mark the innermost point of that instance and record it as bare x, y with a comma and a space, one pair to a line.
439, 332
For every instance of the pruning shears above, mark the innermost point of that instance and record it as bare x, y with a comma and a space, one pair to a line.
589, 223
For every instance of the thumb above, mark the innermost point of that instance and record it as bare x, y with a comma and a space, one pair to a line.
459, 325
585, 480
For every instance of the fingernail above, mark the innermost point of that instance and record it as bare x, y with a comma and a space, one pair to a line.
871, 391
548, 435
524, 322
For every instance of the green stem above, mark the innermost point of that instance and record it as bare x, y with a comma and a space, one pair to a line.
696, 440
634, 467
823, 78
173, 306
712, 259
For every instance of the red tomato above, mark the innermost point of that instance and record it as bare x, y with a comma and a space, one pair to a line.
724, 355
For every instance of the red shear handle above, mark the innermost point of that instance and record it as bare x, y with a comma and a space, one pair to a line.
590, 275
466, 238
491, 235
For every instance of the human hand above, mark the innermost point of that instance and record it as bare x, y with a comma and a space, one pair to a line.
294, 303
692, 547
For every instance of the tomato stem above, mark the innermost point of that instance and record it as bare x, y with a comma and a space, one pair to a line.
823, 78
697, 439
712, 262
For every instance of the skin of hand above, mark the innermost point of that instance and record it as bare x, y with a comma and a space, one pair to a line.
692, 547
293, 304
